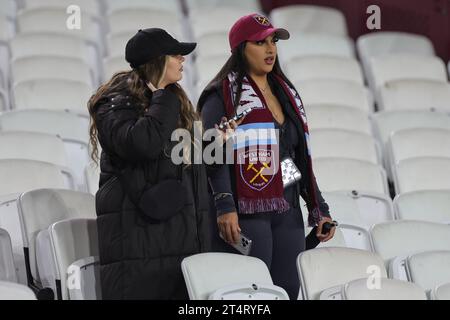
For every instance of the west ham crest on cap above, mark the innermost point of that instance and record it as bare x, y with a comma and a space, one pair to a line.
261, 20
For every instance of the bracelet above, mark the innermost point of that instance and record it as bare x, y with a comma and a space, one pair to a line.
222, 195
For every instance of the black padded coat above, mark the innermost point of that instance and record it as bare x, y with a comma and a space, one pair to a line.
142, 246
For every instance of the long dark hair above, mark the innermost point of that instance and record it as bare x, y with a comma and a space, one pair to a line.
134, 81
238, 63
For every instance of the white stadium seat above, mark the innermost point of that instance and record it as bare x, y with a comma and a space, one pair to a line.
168, 5
116, 43
55, 45
419, 142
49, 67
323, 271
335, 116
427, 205
73, 130
376, 44
15, 291
429, 269
212, 44
7, 269
196, 6
53, 94
36, 146
333, 175
427, 95
92, 174
114, 65
71, 241
442, 292
324, 67
358, 208
396, 240
54, 20
389, 289
38, 209
133, 19
223, 17
403, 67
7, 32
347, 236
22, 176
204, 277
92, 7
313, 44
341, 143
336, 92
310, 19
386, 122
425, 173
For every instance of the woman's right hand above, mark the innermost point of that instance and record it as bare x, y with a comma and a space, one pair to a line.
229, 226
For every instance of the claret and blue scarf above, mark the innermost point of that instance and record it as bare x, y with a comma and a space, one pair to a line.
259, 186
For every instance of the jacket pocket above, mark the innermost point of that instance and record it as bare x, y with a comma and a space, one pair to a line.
163, 200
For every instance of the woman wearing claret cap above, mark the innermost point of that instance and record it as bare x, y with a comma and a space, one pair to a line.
247, 197
151, 212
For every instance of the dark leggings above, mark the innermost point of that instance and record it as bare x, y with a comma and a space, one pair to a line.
278, 238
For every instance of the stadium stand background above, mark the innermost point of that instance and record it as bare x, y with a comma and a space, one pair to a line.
378, 104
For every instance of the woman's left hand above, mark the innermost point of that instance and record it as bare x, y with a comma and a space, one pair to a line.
327, 236
229, 129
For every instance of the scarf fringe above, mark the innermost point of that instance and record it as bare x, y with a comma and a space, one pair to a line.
249, 206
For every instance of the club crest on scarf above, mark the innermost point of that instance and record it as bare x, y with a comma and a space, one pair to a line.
256, 171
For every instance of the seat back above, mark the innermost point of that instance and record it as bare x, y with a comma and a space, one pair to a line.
250, 292
7, 269
404, 237
428, 205
424, 173
324, 67
405, 66
433, 142
323, 268
429, 269
332, 175
334, 116
15, 291
442, 292
53, 94
207, 272
88, 287
341, 143
72, 240
334, 92
424, 95
38, 209
389, 289
310, 19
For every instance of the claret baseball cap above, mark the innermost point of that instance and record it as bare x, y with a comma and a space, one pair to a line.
254, 27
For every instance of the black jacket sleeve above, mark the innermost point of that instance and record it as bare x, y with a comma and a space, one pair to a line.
134, 138
218, 175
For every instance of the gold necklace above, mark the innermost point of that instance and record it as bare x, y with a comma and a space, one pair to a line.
264, 90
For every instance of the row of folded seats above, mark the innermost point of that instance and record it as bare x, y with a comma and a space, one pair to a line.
410, 260
380, 129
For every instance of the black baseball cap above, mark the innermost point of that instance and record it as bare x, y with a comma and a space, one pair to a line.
150, 43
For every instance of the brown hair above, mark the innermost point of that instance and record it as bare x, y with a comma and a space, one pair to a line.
135, 81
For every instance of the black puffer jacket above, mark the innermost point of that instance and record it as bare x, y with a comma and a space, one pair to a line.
141, 247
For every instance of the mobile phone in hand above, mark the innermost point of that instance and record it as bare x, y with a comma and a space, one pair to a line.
244, 244
235, 118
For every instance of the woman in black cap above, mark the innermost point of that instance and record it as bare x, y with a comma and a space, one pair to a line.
151, 212
253, 196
